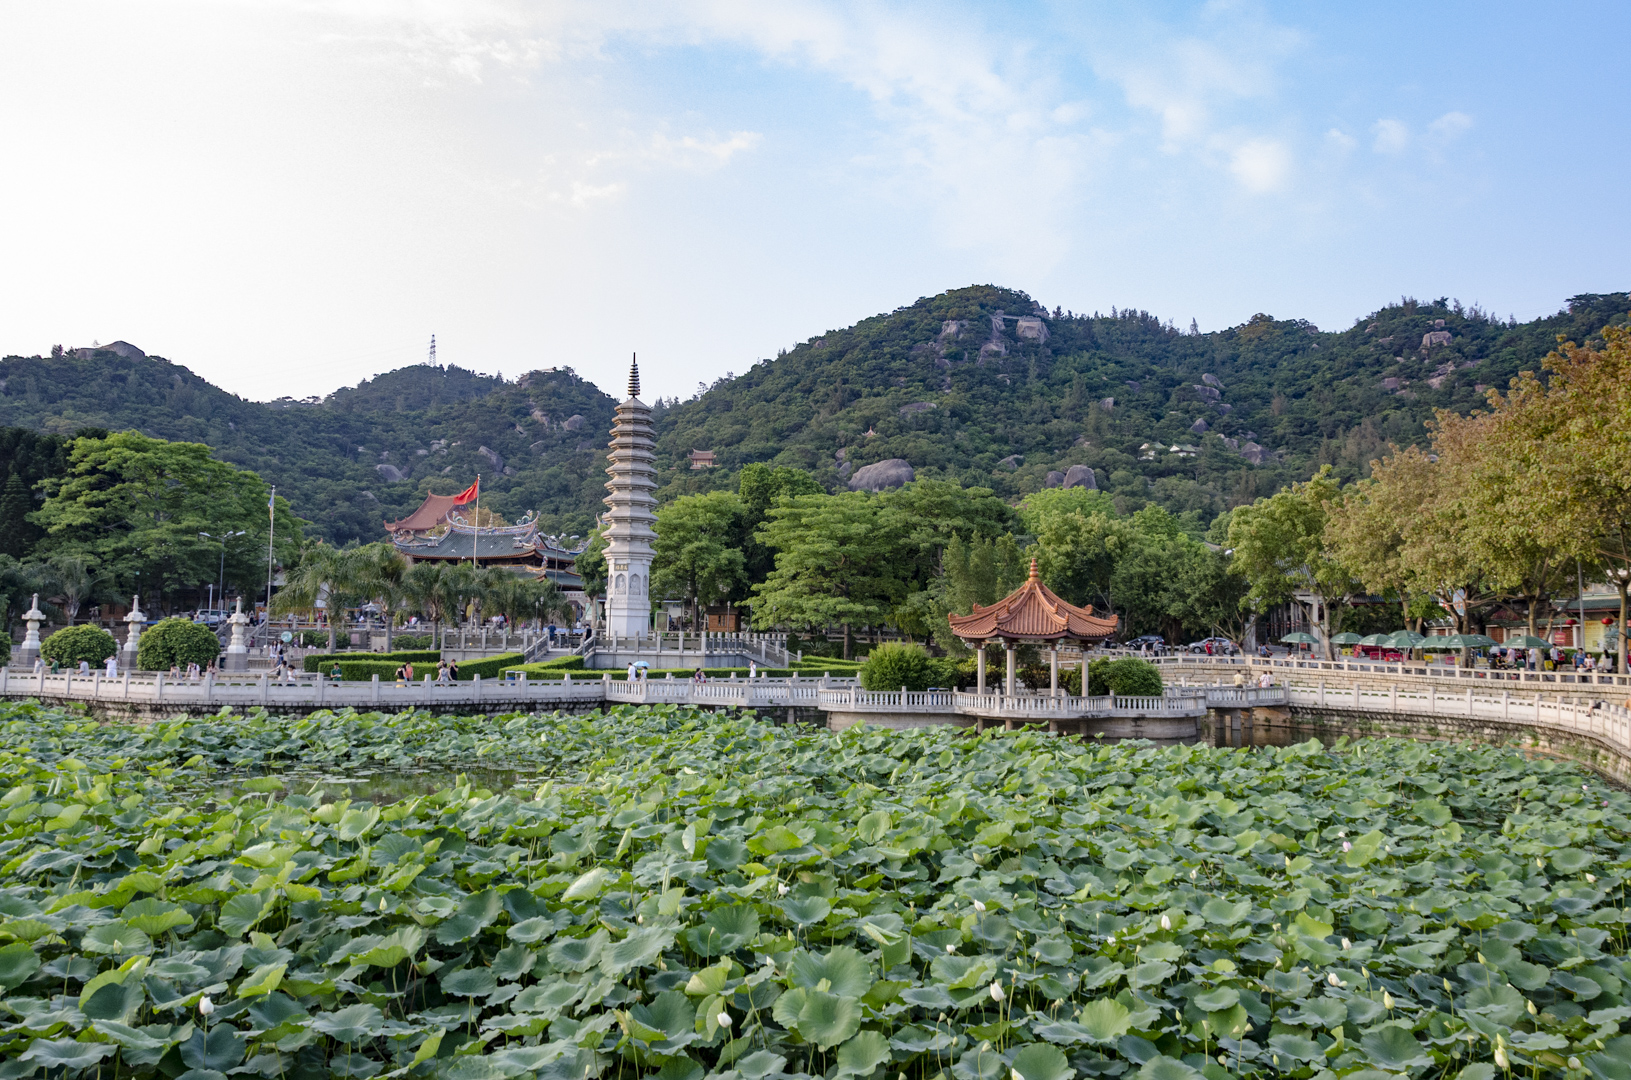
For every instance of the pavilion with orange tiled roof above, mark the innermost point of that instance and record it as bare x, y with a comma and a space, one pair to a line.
1031, 614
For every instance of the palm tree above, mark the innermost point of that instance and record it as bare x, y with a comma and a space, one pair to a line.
76, 580
377, 572
324, 576
428, 588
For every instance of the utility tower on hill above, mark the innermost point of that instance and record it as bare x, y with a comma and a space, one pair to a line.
433, 350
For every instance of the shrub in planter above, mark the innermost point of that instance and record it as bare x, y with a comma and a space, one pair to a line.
176, 643
72, 644
1127, 676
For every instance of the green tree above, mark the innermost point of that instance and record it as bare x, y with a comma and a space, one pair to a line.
760, 487
897, 665
591, 566
1279, 550
375, 572
833, 566
17, 533
322, 578
75, 579
176, 643
136, 505
698, 550
72, 644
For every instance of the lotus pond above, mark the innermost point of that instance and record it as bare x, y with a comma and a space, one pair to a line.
690, 896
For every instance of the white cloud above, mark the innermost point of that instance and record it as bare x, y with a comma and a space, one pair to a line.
1261, 165
1450, 125
1392, 136
1340, 140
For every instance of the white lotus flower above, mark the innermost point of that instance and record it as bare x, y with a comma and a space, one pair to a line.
1166, 923
1110, 939
1500, 1057
996, 992
724, 1019
781, 888
950, 949
1331, 977
978, 906
1346, 846
1591, 878
1387, 1000
1574, 1063
205, 1006
1346, 944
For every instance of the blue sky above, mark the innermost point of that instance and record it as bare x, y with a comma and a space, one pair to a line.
291, 195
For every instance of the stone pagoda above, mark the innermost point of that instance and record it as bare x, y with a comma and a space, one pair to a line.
631, 511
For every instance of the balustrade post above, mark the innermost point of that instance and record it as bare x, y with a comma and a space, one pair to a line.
375, 680
126, 693
1322, 693
1469, 701
158, 688
1506, 704
1432, 702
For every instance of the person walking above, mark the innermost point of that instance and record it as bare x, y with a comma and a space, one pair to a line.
112, 666
631, 677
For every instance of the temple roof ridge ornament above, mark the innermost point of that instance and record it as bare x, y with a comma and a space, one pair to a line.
1032, 612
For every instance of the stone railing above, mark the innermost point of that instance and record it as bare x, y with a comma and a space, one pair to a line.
1251, 666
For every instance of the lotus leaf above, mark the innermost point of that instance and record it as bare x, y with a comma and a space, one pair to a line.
220, 1049
578, 954
351, 1024
807, 910
17, 962
828, 1019
1161, 1067
1394, 1048
116, 939
474, 913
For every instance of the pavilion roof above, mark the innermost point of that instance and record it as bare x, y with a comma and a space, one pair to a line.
431, 513
1032, 613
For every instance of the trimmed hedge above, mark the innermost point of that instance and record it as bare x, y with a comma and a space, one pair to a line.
72, 644
325, 661
176, 643
560, 663
363, 670
544, 671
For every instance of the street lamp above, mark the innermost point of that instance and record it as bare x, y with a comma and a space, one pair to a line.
221, 588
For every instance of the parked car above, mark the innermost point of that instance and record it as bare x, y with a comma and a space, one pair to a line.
1154, 641
1221, 646
211, 616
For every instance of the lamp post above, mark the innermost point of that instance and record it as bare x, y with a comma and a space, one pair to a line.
221, 587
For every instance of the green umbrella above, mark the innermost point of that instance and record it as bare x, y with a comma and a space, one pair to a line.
1405, 639
1299, 638
1468, 641
1346, 639
1376, 639
1527, 641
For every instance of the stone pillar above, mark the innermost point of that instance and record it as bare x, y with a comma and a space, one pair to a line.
237, 655
133, 634
979, 668
1053, 671
1009, 654
30, 649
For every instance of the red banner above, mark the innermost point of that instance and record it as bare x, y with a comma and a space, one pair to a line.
469, 494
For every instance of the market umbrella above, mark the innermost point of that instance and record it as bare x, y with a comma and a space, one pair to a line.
1346, 639
1468, 641
1527, 641
1405, 639
1299, 638
1376, 639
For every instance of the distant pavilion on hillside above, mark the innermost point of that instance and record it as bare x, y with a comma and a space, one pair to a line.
1030, 615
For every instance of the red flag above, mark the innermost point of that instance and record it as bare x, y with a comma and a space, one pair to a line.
469, 494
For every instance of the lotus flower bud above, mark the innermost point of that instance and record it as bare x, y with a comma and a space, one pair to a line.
1346, 944
1346, 846
1331, 977
1591, 879
1540, 862
950, 949
1387, 1000
1574, 1063
996, 992
723, 1019
205, 1006
1500, 1057
1447, 989
978, 906
1532, 1010
1013, 1074
1166, 923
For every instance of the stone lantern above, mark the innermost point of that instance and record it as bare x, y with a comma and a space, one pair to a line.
237, 656
35, 618
133, 634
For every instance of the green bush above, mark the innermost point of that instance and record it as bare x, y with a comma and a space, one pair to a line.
488, 667
364, 670
895, 664
313, 639
5, 648
325, 661
72, 644
560, 663
176, 643
411, 641
1127, 676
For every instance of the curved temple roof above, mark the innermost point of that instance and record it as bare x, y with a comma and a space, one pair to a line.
1032, 613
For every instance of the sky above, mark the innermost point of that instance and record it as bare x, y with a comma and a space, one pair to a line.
289, 196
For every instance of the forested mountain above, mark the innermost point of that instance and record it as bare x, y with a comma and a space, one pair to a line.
359, 457
979, 385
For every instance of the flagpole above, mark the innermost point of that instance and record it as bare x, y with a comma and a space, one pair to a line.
271, 532
475, 536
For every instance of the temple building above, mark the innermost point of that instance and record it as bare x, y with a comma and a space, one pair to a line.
631, 514
440, 532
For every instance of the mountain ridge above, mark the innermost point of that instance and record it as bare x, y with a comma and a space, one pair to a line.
980, 385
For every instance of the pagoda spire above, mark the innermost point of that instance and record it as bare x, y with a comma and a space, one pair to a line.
634, 375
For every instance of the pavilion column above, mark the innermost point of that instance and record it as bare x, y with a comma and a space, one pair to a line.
979, 669
1009, 654
1053, 671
